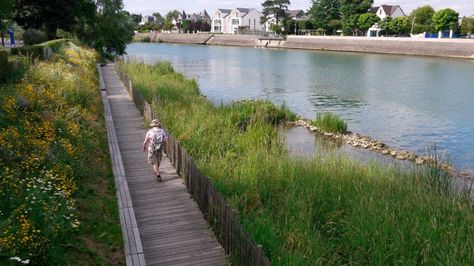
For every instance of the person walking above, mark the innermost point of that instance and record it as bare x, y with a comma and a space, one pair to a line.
156, 140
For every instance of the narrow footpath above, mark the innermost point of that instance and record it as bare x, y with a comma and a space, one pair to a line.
171, 227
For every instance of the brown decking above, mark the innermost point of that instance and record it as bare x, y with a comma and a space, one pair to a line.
172, 230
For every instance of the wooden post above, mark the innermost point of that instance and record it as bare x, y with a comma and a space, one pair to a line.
258, 259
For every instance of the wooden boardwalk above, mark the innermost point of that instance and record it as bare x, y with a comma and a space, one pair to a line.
171, 227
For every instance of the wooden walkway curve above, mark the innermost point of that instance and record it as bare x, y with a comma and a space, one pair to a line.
172, 230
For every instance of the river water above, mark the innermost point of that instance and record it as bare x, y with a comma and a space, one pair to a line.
405, 101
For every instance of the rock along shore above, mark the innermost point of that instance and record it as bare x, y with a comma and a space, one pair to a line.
454, 48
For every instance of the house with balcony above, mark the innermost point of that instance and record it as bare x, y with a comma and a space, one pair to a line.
234, 21
384, 11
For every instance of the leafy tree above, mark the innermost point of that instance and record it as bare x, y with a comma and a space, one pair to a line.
323, 11
335, 25
400, 25
421, 18
350, 12
136, 18
386, 25
159, 20
366, 20
48, 16
168, 25
445, 19
109, 29
276, 9
185, 25
467, 25
5, 16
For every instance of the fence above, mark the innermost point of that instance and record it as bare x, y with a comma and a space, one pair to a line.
222, 218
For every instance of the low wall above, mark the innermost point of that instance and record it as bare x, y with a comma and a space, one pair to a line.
200, 38
234, 40
458, 48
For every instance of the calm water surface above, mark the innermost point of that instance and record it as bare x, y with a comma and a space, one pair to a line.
407, 102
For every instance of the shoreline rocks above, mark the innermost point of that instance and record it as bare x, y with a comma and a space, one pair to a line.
366, 142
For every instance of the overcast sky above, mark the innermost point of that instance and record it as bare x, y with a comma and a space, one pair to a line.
147, 7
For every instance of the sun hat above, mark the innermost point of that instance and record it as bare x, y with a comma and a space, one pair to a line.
155, 123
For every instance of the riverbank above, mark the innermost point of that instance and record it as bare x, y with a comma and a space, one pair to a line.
453, 48
308, 211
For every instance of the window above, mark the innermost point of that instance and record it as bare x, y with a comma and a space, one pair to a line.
249, 22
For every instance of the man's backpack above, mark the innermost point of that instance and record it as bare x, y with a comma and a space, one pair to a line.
157, 140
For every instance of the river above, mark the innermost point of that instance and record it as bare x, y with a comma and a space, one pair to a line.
407, 102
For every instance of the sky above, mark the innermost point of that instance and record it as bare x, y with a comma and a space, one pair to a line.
147, 7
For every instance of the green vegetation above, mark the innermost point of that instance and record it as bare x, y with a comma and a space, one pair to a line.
57, 196
308, 212
445, 19
330, 122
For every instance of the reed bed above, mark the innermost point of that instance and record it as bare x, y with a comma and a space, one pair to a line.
315, 211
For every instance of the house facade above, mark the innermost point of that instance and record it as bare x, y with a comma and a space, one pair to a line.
233, 21
219, 21
384, 11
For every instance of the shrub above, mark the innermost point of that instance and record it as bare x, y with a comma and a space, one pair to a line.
31, 37
146, 39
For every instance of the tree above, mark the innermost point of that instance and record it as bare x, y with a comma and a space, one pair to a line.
48, 16
276, 9
421, 19
109, 29
366, 20
168, 25
467, 26
445, 19
350, 12
386, 25
185, 25
323, 11
5, 16
136, 18
159, 20
335, 25
400, 25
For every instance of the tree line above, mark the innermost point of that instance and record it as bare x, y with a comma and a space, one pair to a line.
352, 17
166, 23
101, 24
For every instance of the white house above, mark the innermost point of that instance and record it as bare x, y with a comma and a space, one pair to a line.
146, 19
218, 20
233, 21
382, 12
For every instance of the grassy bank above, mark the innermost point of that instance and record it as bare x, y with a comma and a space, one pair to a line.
319, 211
57, 196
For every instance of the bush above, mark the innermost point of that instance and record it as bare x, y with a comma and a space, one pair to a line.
31, 37
33, 51
330, 122
146, 39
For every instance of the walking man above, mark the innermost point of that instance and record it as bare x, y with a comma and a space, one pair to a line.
155, 139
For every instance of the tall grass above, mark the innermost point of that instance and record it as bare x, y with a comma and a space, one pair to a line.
330, 122
308, 212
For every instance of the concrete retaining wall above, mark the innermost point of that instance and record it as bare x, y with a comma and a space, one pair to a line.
428, 47
183, 38
458, 48
234, 40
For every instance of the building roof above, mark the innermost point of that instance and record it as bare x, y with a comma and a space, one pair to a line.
388, 9
296, 13
226, 11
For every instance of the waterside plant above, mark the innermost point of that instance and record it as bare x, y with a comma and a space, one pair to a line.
329, 122
319, 211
